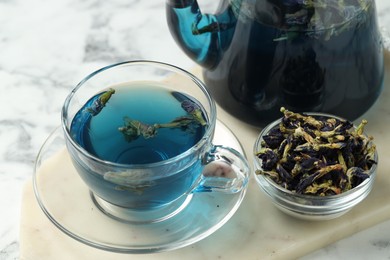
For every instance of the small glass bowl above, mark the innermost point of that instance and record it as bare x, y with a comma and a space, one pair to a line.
310, 207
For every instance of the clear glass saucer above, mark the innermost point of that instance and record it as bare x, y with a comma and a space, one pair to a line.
66, 201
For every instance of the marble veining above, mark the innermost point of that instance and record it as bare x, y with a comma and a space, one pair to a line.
47, 47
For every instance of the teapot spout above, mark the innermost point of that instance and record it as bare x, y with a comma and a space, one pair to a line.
201, 36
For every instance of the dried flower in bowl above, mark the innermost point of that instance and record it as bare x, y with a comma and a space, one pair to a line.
316, 154
315, 166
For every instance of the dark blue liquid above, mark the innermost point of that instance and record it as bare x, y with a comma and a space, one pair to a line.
251, 72
99, 136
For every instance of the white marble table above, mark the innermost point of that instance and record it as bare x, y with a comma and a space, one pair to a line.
46, 47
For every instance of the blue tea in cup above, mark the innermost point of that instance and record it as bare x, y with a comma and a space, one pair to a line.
139, 134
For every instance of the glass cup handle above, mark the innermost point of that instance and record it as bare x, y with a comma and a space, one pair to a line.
226, 170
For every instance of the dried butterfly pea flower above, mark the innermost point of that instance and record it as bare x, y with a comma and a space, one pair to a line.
274, 138
133, 129
269, 158
316, 155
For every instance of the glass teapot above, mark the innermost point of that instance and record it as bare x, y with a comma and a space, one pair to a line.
305, 55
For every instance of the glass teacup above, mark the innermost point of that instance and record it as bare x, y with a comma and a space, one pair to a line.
144, 164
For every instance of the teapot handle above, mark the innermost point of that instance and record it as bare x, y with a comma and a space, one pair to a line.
202, 37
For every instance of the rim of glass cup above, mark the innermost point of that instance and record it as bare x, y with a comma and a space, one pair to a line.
212, 117
257, 162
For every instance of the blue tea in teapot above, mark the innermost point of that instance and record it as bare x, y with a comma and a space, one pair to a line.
305, 55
